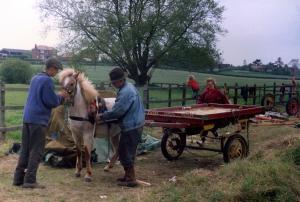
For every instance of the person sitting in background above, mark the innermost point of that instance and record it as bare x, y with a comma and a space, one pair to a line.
211, 94
193, 84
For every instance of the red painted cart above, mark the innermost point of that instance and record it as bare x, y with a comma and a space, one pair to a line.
204, 119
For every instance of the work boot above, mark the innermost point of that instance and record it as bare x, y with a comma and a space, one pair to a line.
125, 177
33, 186
18, 178
131, 182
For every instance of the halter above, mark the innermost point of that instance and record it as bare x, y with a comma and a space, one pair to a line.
72, 94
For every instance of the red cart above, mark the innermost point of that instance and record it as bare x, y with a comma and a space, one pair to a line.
204, 120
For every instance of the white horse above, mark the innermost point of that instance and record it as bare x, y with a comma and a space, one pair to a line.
82, 95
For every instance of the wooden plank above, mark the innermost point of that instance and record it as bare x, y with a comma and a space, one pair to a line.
11, 128
172, 100
13, 108
2, 112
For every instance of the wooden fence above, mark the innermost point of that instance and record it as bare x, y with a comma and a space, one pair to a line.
236, 93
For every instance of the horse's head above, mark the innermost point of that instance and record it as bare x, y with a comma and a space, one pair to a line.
68, 80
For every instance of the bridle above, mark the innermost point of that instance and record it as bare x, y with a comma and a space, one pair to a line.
72, 94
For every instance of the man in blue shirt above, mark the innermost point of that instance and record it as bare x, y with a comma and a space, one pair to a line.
129, 110
41, 99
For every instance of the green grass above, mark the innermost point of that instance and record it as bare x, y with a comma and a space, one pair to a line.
253, 74
256, 179
100, 73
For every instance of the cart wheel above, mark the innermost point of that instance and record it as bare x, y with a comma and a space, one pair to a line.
268, 101
236, 147
292, 106
172, 145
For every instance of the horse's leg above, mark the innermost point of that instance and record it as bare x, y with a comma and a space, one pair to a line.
78, 143
115, 144
88, 144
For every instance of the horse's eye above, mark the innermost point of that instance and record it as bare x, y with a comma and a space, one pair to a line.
72, 84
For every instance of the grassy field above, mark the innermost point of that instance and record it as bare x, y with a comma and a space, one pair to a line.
98, 74
174, 76
254, 74
270, 173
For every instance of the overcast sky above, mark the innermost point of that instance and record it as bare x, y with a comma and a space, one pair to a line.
264, 29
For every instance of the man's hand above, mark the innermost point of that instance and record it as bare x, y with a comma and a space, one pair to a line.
64, 94
99, 118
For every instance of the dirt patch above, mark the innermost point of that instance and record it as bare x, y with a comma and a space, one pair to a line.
63, 186
152, 167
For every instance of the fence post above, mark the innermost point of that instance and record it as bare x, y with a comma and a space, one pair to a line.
254, 95
259, 94
291, 92
2, 109
102, 86
247, 95
183, 95
226, 91
297, 91
146, 95
170, 96
235, 93
274, 91
264, 90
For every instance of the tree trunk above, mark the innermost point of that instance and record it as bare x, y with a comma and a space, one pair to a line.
142, 79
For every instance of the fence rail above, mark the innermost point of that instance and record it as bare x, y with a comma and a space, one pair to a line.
237, 94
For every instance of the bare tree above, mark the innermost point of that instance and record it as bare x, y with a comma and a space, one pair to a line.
135, 34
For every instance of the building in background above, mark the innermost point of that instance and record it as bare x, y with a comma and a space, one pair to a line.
42, 52
16, 53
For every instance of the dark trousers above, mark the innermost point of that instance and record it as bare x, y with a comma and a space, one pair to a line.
32, 150
129, 141
195, 93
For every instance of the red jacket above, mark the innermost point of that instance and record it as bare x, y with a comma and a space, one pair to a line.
193, 84
212, 96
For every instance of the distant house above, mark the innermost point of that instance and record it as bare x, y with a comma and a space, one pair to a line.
225, 66
42, 52
19, 53
258, 68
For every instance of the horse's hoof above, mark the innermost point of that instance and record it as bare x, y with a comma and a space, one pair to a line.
106, 168
87, 179
77, 174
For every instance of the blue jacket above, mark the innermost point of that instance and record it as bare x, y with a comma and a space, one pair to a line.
128, 108
41, 99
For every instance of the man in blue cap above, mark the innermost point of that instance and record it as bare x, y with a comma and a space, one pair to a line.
129, 110
40, 101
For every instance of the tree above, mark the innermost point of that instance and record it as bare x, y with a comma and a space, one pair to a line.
257, 62
16, 71
135, 34
279, 63
185, 56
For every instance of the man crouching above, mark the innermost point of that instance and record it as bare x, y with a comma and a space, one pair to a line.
129, 110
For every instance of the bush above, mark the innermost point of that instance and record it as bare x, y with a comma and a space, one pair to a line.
16, 71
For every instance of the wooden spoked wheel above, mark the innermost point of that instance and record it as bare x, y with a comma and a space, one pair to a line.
172, 144
268, 101
292, 107
235, 148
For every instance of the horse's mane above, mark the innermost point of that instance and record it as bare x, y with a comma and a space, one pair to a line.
88, 89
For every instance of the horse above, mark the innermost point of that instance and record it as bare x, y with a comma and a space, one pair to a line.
82, 95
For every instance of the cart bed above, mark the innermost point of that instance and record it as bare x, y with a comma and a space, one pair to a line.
200, 114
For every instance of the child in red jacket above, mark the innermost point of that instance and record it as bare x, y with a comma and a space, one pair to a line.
193, 84
211, 94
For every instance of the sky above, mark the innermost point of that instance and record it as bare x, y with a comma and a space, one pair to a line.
256, 29
260, 29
